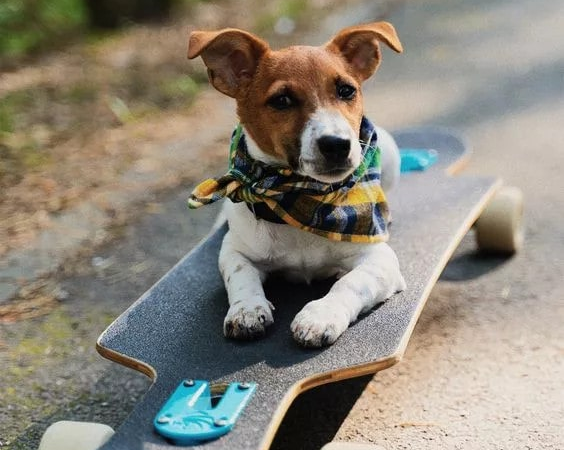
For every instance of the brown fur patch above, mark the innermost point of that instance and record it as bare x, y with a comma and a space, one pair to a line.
310, 76
243, 66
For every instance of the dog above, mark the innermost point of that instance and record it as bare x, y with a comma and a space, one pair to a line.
306, 180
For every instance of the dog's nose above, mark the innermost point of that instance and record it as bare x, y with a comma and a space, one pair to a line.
334, 149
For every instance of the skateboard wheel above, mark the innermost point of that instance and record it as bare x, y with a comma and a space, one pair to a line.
68, 435
350, 446
499, 228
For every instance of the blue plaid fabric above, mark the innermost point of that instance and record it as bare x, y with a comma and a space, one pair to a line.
353, 210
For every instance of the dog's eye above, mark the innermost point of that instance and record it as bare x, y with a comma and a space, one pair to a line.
280, 102
346, 91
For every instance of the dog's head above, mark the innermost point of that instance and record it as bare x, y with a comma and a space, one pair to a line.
301, 106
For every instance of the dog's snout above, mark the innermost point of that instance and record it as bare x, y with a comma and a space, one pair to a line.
334, 148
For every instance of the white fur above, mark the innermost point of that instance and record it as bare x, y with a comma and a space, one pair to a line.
326, 122
368, 273
390, 159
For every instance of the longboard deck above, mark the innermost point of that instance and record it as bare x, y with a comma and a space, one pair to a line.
174, 331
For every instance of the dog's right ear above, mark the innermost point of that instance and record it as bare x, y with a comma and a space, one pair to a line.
230, 55
359, 46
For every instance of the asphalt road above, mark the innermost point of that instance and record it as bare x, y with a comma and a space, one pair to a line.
485, 367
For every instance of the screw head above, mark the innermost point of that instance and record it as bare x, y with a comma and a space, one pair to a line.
188, 383
244, 385
220, 422
163, 419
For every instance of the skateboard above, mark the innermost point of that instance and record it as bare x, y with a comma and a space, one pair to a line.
173, 333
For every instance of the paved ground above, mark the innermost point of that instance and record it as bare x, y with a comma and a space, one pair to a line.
485, 368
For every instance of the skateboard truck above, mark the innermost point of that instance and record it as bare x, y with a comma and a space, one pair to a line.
417, 159
193, 414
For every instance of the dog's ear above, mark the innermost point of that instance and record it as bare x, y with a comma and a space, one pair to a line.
231, 56
360, 47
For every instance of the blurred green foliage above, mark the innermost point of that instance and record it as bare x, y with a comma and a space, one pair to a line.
291, 9
28, 25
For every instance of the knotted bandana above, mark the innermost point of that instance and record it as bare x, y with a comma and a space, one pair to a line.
352, 210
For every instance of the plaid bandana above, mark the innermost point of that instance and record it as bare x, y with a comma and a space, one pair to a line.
352, 210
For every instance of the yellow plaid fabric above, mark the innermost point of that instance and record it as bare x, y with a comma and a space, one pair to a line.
354, 210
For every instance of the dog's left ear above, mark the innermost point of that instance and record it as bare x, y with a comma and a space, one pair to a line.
360, 47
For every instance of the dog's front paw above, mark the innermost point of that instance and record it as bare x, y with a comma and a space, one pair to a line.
248, 320
318, 324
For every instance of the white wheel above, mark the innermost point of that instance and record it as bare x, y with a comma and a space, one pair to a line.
499, 228
351, 446
67, 435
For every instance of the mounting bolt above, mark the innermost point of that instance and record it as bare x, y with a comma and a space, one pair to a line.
220, 422
244, 386
163, 419
188, 383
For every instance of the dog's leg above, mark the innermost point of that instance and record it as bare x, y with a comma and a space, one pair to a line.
250, 313
375, 277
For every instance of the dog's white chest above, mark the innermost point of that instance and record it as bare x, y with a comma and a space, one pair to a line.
298, 254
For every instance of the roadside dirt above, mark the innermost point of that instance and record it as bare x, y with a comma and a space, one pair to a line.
72, 122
